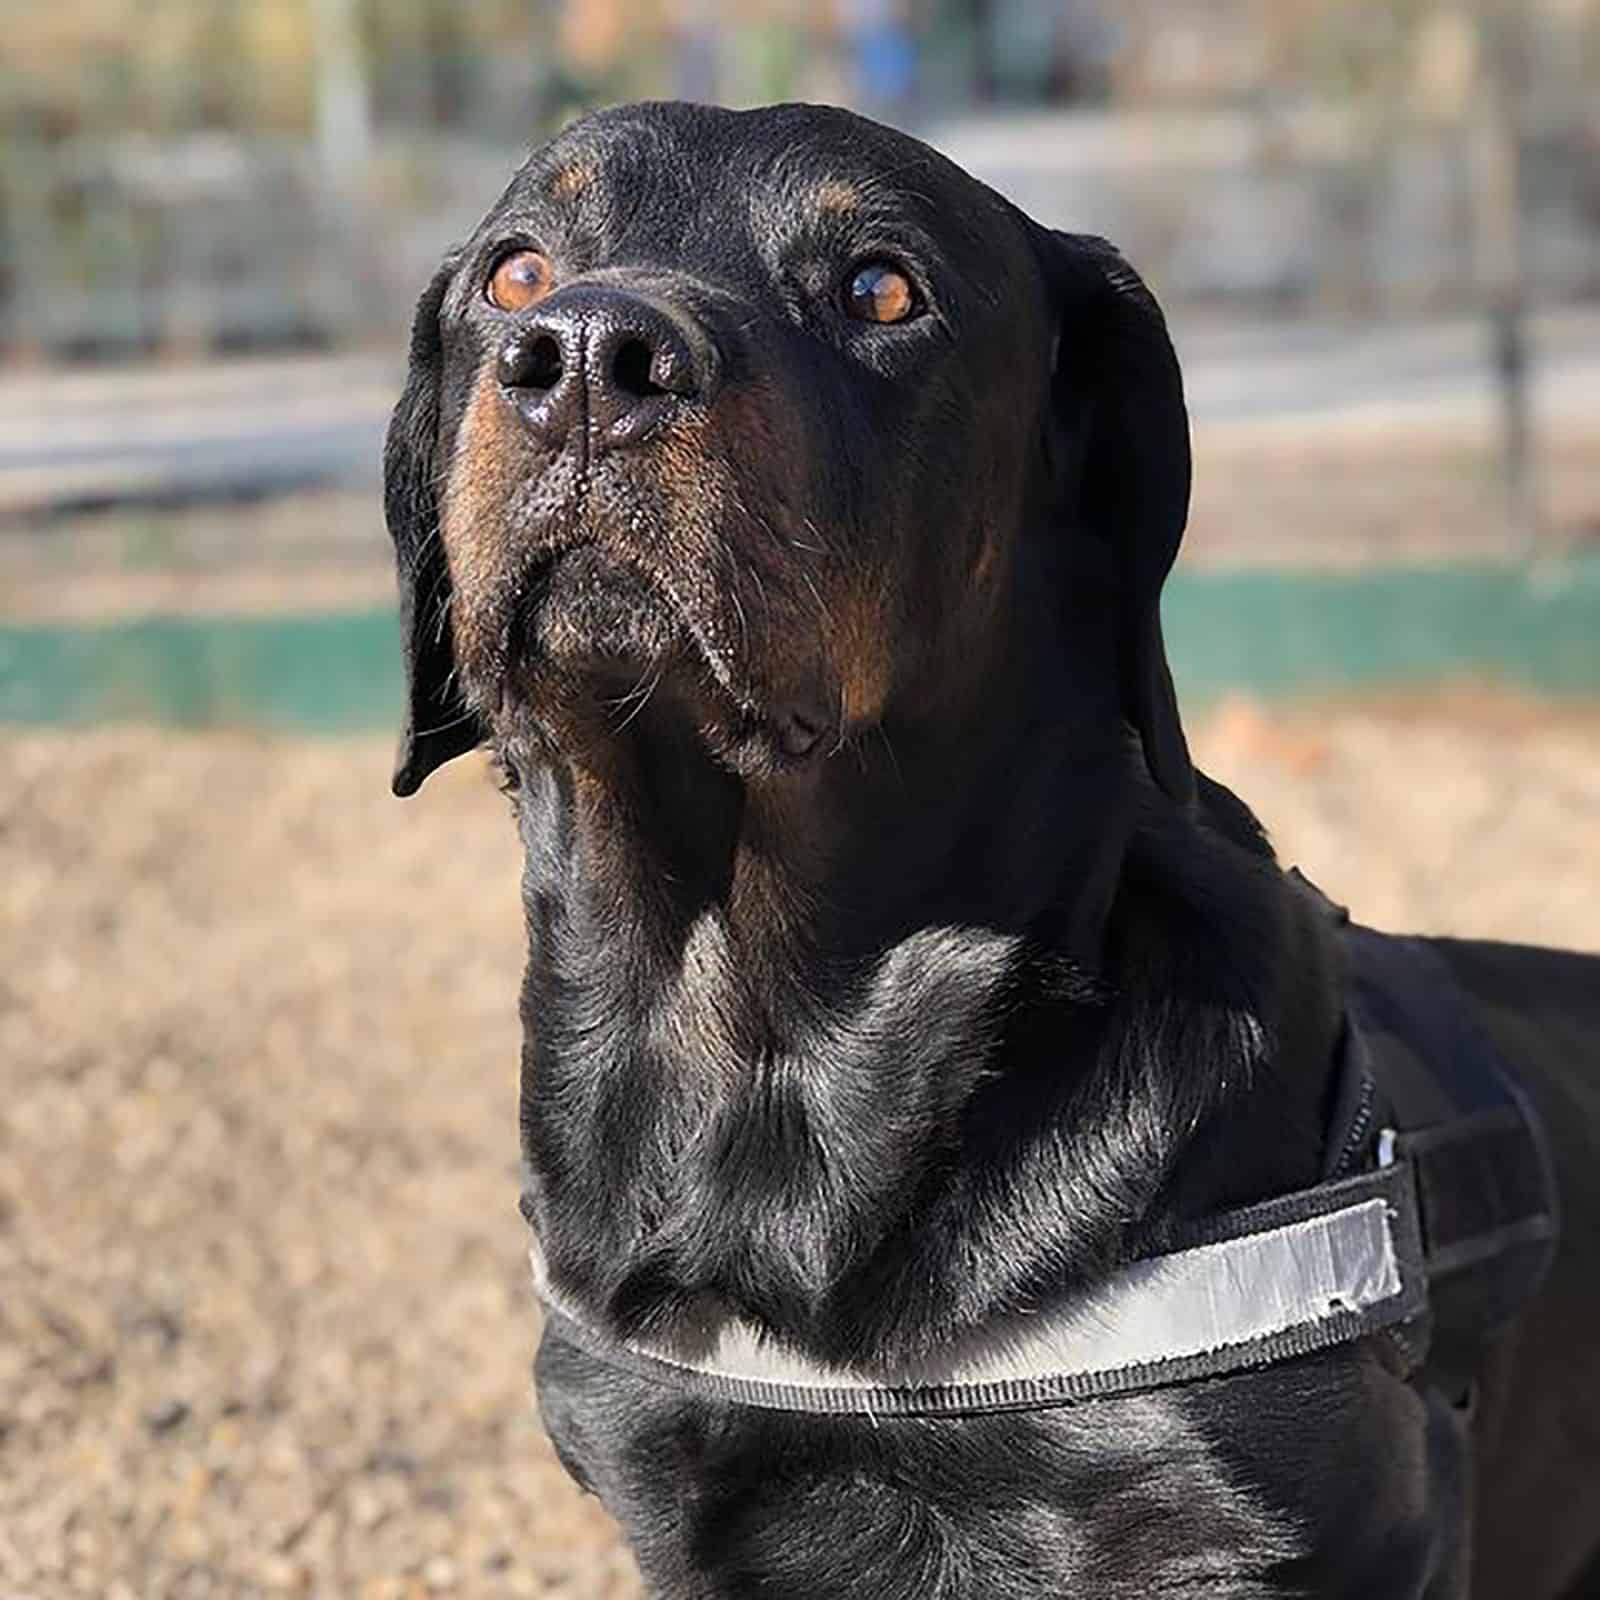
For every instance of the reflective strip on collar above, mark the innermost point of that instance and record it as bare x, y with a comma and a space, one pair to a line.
1293, 1275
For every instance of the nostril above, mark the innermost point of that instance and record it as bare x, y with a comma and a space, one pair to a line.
531, 363
543, 363
631, 369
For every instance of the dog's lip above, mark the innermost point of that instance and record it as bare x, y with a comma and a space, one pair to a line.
794, 728
799, 733
542, 571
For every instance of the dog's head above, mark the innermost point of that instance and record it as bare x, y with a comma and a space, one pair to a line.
771, 412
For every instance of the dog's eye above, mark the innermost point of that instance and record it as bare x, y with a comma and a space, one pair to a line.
878, 291
520, 280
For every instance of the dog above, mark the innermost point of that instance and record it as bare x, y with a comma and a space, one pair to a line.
789, 513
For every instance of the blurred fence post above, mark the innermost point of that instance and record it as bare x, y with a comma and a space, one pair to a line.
1495, 159
344, 116
27, 245
344, 152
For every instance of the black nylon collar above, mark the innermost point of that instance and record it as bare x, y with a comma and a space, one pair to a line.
1342, 1218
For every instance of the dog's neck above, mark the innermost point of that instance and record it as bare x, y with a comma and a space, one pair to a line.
861, 1058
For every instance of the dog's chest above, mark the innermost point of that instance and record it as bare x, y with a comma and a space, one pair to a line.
1148, 1495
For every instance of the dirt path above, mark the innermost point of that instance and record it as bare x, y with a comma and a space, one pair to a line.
264, 1324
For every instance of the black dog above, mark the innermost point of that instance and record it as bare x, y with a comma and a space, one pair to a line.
791, 515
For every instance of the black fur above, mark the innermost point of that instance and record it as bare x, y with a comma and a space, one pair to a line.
889, 965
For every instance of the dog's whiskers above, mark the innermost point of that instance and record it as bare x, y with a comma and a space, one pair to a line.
839, 738
444, 727
641, 700
816, 594
819, 549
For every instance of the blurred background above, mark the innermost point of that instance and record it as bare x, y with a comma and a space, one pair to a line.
264, 1325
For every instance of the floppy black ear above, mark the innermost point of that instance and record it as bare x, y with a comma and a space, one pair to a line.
438, 723
1117, 395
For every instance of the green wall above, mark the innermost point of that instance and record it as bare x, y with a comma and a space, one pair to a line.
1265, 632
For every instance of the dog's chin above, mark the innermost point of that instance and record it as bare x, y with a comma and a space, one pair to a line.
585, 613
606, 655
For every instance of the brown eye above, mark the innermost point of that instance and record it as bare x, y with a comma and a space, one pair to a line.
520, 280
879, 292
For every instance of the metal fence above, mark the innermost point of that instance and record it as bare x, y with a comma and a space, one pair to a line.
212, 194
213, 241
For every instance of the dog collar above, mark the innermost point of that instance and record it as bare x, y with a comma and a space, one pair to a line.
1281, 1279
1448, 1231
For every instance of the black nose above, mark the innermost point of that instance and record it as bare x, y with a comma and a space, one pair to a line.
606, 361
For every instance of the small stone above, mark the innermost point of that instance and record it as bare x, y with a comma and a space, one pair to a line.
367, 1509
439, 1574
165, 1417
438, 1497
279, 1572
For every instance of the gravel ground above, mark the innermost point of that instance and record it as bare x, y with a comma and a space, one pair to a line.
264, 1324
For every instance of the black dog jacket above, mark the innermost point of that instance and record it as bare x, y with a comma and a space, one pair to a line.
1417, 1062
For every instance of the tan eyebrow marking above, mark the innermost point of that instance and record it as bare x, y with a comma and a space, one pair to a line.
571, 181
838, 194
